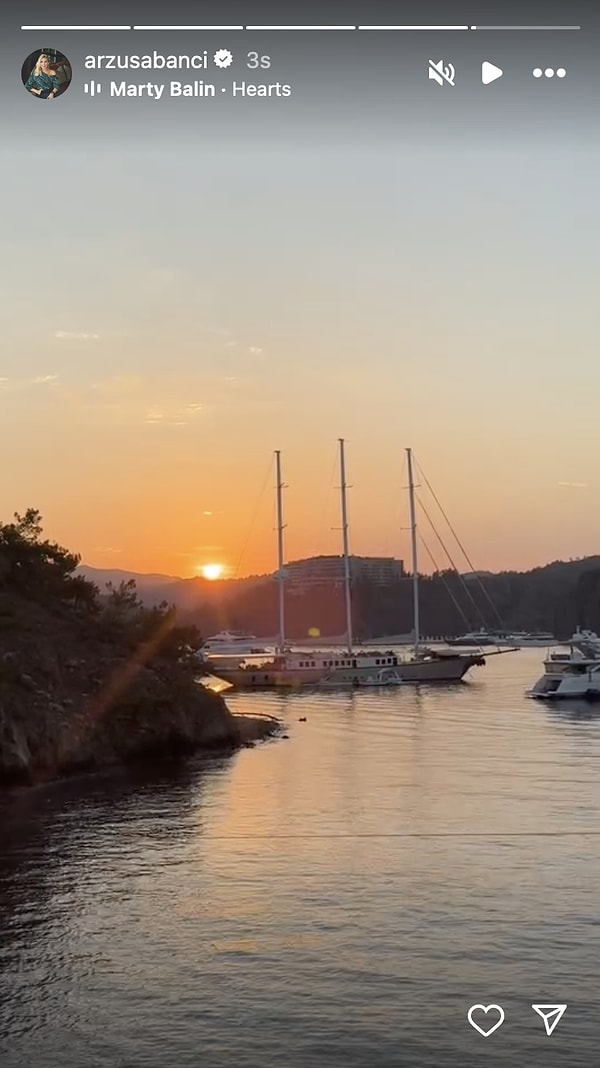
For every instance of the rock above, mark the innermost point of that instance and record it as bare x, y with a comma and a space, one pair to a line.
119, 709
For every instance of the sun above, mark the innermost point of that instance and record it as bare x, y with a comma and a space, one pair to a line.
212, 572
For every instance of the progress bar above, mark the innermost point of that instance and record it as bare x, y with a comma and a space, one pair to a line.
303, 29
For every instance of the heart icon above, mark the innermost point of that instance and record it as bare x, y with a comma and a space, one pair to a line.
482, 1011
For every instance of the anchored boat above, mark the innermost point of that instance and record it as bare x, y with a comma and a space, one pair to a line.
572, 675
286, 668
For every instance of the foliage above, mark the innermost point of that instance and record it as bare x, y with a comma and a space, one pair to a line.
44, 572
29, 563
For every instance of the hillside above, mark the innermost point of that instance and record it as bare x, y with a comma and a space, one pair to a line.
85, 682
556, 597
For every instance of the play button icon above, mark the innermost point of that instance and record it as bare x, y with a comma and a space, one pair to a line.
489, 72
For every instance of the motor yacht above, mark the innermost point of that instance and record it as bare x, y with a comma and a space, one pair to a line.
571, 675
231, 643
519, 639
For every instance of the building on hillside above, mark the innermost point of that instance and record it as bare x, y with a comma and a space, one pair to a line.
301, 576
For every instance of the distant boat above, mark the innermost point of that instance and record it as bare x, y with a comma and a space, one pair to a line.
231, 643
511, 639
478, 638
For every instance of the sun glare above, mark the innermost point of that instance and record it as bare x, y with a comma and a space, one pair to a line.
212, 571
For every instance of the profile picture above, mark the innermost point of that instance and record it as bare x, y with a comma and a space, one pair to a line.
46, 73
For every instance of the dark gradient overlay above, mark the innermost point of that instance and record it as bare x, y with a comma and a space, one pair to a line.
347, 87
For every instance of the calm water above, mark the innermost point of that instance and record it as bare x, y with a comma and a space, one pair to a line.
337, 899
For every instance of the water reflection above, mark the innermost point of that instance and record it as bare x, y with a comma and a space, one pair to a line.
316, 901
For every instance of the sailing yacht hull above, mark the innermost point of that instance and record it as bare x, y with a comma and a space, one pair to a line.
446, 668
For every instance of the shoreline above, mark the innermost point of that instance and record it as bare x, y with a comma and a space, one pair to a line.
255, 727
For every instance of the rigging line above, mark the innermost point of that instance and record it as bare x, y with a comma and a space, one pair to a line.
253, 518
458, 574
461, 547
446, 584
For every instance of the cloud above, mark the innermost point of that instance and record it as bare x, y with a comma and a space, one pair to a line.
105, 549
175, 417
254, 350
75, 335
43, 379
573, 485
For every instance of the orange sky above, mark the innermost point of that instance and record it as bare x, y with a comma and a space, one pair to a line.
142, 402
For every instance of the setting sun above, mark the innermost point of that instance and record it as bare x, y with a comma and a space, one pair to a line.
212, 571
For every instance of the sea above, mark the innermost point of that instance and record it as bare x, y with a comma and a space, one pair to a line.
340, 897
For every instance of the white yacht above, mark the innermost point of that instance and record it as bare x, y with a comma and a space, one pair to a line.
570, 675
519, 639
231, 643
528, 639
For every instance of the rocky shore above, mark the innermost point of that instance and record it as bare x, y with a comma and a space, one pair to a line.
67, 707
87, 682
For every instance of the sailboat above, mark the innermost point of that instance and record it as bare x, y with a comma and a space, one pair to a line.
347, 666
426, 665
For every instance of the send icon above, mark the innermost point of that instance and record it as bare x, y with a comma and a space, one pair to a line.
551, 1015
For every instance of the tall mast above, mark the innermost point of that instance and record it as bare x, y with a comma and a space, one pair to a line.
280, 562
413, 542
348, 598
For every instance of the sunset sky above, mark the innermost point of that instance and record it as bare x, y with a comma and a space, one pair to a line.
167, 324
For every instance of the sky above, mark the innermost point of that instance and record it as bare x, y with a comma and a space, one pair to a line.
168, 321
